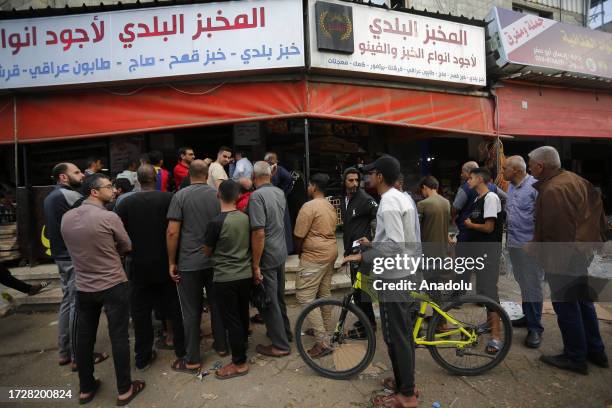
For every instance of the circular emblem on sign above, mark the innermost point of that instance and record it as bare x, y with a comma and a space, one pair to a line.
335, 25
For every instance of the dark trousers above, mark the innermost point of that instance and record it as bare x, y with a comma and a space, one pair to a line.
115, 301
362, 299
396, 324
233, 302
190, 296
145, 298
487, 277
275, 316
579, 329
12, 282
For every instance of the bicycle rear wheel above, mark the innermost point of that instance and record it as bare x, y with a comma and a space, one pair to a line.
350, 351
472, 359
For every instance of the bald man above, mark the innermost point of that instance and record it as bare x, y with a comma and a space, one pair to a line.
520, 208
144, 217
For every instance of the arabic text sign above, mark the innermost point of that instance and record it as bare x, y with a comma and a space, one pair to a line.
407, 45
155, 42
535, 41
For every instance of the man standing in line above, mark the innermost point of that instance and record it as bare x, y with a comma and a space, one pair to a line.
181, 170
144, 217
316, 246
242, 168
568, 211
395, 231
520, 207
358, 217
434, 216
281, 177
267, 206
94, 165
191, 209
228, 243
162, 175
63, 197
96, 240
216, 170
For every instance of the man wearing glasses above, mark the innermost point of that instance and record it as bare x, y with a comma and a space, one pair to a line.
96, 239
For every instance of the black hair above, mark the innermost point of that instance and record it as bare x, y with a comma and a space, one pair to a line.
320, 181
124, 184
351, 170
225, 149
229, 191
91, 160
155, 157
132, 160
183, 150
92, 182
483, 172
58, 169
430, 182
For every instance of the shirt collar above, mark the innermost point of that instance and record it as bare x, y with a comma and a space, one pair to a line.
87, 202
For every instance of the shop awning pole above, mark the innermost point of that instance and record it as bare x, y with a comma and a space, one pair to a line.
306, 151
16, 153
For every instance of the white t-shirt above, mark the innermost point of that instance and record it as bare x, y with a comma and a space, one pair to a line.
492, 205
216, 172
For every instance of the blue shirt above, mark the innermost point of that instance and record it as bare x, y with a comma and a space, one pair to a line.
520, 207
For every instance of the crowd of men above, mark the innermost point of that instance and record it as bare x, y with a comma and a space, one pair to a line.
135, 249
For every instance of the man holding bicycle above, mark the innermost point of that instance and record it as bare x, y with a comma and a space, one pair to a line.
395, 230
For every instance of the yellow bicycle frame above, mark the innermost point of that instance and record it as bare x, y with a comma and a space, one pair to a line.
470, 337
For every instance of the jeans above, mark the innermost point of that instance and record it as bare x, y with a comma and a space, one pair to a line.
68, 319
275, 316
190, 289
579, 329
115, 301
233, 302
529, 275
145, 298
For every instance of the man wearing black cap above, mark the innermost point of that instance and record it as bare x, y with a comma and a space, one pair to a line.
395, 233
358, 214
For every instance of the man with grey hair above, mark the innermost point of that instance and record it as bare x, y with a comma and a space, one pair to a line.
267, 206
568, 212
520, 208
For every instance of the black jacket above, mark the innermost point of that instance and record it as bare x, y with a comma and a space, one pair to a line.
357, 218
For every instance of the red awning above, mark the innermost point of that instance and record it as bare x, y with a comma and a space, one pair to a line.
101, 112
527, 110
6, 120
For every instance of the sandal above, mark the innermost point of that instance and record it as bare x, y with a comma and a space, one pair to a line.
92, 394
65, 361
231, 373
493, 346
389, 384
357, 334
180, 366
318, 351
137, 387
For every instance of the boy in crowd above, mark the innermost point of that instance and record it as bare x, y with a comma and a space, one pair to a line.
484, 227
227, 241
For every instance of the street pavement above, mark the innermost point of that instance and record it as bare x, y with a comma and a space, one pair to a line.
28, 359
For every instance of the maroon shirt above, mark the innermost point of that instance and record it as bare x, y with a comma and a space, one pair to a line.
95, 238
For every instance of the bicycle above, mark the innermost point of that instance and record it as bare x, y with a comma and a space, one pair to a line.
453, 342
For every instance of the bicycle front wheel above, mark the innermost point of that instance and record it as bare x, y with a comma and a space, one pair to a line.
475, 314
349, 339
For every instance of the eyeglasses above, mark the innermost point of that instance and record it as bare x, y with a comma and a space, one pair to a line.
107, 186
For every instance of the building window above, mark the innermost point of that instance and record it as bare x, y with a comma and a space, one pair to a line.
535, 12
